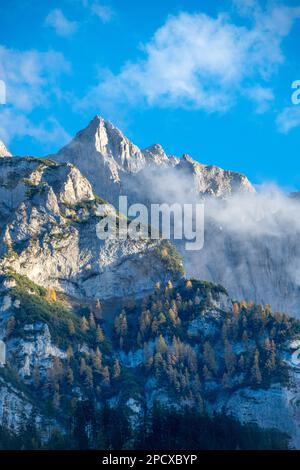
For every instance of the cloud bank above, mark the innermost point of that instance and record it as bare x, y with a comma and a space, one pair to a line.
202, 62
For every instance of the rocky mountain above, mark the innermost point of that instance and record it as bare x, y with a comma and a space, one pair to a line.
48, 231
115, 166
105, 338
258, 263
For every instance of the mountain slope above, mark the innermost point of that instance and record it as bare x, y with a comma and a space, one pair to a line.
185, 349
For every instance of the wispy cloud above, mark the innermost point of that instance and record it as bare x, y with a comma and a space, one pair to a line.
288, 119
62, 25
203, 62
15, 124
262, 97
30, 76
104, 12
31, 79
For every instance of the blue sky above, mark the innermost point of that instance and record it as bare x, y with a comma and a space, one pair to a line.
212, 79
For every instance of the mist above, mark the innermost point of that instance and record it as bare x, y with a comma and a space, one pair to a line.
251, 241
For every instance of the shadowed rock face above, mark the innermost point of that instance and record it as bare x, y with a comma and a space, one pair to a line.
48, 232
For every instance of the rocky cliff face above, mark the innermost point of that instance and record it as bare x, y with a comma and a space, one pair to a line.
49, 225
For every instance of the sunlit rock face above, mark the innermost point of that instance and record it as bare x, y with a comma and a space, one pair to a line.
115, 166
3, 150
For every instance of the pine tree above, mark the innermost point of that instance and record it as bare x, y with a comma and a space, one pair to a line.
154, 326
139, 339
206, 373
161, 345
71, 327
106, 375
230, 359
226, 380
241, 363
209, 357
88, 380
236, 309
56, 400
255, 371
57, 368
148, 357
84, 326
245, 337
69, 353
99, 335
70, 376
124, 326
82, 366
158, 362
97, 359
92, 322
145, 321
270, 349
117, 369
121, 324
98, 308
162, 318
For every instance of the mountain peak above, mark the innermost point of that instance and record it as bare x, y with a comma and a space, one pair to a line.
156, 154
3, 150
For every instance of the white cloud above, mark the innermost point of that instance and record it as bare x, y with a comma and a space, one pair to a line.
31, 79
30, 76
15, 124
198, 61
104, 12
62, 26
288, 119
261, 96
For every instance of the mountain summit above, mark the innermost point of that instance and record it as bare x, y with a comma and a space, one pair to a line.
116, 166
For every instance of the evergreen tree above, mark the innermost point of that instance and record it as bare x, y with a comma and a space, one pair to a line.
161, 345
92, 323
98, 309
117, 369
209, 357
255, 371
99, 335
71, 327
84, 325
97, 359
70, 376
